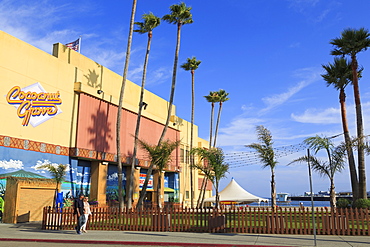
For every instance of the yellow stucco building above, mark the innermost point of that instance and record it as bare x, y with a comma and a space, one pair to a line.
62, 108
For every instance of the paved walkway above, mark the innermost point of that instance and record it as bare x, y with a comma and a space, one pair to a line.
30, 234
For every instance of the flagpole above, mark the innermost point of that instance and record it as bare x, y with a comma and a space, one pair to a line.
79, 46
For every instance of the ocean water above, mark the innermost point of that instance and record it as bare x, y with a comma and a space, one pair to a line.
295, 204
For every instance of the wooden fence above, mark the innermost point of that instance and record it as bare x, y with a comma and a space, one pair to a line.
230, 220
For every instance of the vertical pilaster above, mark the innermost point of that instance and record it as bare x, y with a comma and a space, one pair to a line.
155, 186
98, 189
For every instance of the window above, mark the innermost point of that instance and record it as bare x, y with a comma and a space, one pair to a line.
182, 155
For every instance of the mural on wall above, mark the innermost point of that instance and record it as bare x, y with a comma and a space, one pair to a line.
171, 180
142, 179
112, 182
23, 163
34, 104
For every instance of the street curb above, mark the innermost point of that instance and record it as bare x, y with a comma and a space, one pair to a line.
126, 242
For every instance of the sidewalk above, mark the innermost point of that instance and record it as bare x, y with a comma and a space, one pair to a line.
31, 232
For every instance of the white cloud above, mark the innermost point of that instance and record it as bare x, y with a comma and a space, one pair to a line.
30, 21
109, 58
45, 162
84, 184
308, 75
295, 45
332, 115
159, 76
114, 177
318, 116
11, 164
239, 132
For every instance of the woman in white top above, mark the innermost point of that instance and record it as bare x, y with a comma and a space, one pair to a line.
87, 212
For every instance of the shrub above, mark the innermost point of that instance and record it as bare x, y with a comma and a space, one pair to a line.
361, 203
343, 203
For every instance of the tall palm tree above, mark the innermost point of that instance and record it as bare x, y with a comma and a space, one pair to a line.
212, 98
222, 97
267, 156
160, 156
58, 173
120, 103
339, 74
150, 22
191, 65
216, 169
335, 163
351, 42
180, 15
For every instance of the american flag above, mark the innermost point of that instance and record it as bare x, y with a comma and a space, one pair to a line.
74, 45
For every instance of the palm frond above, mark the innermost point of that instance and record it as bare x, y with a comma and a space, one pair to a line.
191, 64
57, 171
180, 14
160, 155
150, 21
264, 149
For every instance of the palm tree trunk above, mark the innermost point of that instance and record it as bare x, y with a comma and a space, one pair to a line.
159, 187
333, 199
360, 131
173, 86
217, 196
273, 190
347, 139
211, 127
145, 185
201, 193
204, 191
170, 103
191, 141
119, 113
217, 123
55, 196
137, 130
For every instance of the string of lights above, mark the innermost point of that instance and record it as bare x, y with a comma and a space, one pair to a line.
239, 159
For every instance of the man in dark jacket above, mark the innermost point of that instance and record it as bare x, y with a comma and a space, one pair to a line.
79, 212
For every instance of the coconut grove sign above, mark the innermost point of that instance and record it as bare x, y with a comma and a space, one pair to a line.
34, 105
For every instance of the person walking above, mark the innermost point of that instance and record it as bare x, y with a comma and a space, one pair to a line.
79, 212
87, 212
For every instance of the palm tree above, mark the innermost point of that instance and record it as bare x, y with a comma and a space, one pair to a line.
222, 97
120, 103
267, 156
216, 166
58, 173
339, 74
191, 65
150, 22
350, 43
180, 15
335, 163
160, 156
212, 98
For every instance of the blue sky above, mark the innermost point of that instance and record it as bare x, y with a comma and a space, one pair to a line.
266, 53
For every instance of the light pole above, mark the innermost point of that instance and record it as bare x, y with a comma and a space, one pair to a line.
312, 206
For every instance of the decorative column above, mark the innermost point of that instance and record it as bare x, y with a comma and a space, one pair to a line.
136, 188
98, 187
155, 182
136, 193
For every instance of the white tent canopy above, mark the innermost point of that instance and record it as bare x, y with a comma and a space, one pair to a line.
233, 192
